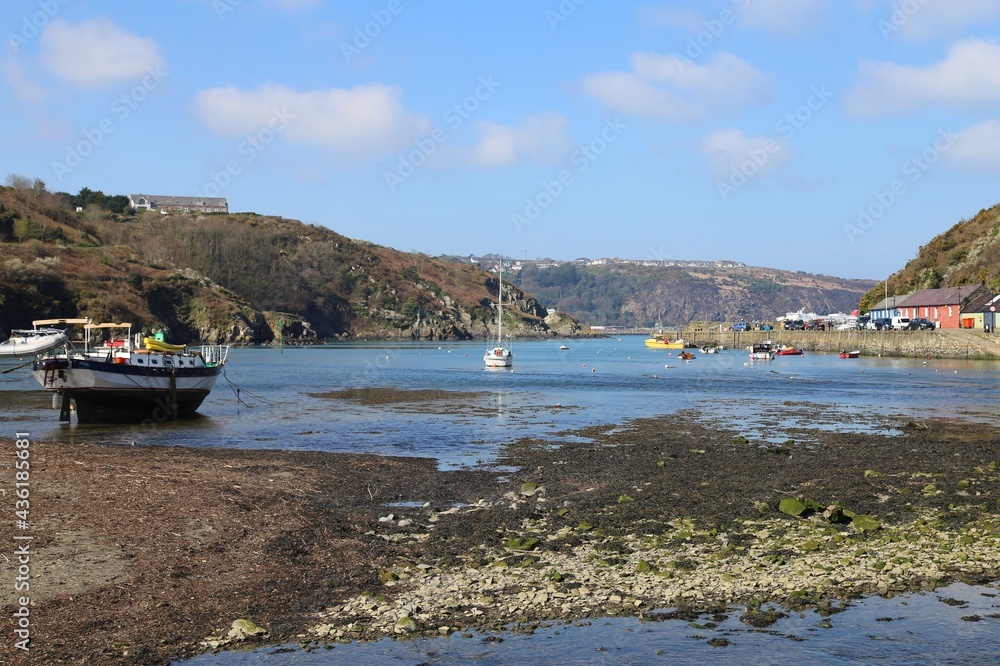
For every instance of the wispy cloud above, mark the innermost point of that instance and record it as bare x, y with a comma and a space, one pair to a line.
926, 20
539, 139
727, 149
673, 89
968, 78
978, 147
364, 121
95, 53
784, 17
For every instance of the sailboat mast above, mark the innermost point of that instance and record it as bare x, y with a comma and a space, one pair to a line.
500, 307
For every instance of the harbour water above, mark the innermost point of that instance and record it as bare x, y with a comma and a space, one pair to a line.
287, 399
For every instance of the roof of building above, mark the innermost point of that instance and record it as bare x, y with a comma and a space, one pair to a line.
945, 296
891, 302
983, 302
181, 201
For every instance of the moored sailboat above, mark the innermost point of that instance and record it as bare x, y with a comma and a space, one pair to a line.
499, 356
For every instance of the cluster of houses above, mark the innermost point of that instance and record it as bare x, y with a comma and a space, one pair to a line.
968, 306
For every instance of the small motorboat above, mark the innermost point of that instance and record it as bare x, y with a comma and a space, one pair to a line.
850, 354
563, 346
663, 343
685, 356
762, 351
709, 350
789, 351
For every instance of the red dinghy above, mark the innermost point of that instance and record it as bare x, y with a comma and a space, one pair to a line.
850, 354
789, 351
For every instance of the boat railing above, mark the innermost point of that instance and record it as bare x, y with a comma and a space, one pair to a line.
214, 354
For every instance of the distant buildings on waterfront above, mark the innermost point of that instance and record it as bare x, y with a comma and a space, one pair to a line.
491, 263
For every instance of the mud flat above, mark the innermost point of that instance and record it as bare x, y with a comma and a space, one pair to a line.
146, 554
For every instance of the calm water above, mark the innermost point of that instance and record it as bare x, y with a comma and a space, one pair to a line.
272, 399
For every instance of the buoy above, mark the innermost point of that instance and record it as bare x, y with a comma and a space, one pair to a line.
595, 370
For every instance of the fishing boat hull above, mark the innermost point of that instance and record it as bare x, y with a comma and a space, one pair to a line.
789, 352
128, 388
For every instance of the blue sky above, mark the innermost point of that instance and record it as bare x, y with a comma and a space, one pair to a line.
829, 137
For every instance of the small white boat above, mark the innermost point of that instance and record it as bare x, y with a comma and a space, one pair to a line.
762, 351
37, 340
563, 346
499, 356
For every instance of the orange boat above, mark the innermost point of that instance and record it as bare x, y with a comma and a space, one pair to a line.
850, 354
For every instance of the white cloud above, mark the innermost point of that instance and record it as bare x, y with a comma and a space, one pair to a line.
729, 150
784, 17
540, 138
364, 121
674, 89
923, 20
977, 148
97, 52
968, 77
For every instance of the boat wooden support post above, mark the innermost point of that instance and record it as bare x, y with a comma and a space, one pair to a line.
64, 408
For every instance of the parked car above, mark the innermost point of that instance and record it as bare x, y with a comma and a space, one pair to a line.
921, 324
795, 325
738, 326
900, 323
881, 324
816, 325
863, 321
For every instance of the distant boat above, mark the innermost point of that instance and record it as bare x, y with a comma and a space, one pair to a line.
563, 346
34, 341
850, 354
762, 351
789, 351
662, 343
685, 356
499, 356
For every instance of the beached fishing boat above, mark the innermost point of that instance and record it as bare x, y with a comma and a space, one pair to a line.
117, 381
499, 356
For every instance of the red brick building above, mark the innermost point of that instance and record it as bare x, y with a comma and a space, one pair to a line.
941, 306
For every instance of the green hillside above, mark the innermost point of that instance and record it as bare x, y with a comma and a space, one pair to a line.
235, 277
967, 253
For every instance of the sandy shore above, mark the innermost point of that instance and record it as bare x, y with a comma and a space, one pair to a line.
143, 555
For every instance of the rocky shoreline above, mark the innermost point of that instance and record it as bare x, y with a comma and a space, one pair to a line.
148, 554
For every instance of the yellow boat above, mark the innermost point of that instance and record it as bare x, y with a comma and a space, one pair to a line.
152, 344
663, 343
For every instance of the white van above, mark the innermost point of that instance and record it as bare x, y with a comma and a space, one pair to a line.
900, 323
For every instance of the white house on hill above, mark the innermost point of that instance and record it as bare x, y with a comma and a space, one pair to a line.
166, 204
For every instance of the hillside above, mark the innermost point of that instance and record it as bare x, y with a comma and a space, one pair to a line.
634, 295
967, 253
238, 278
